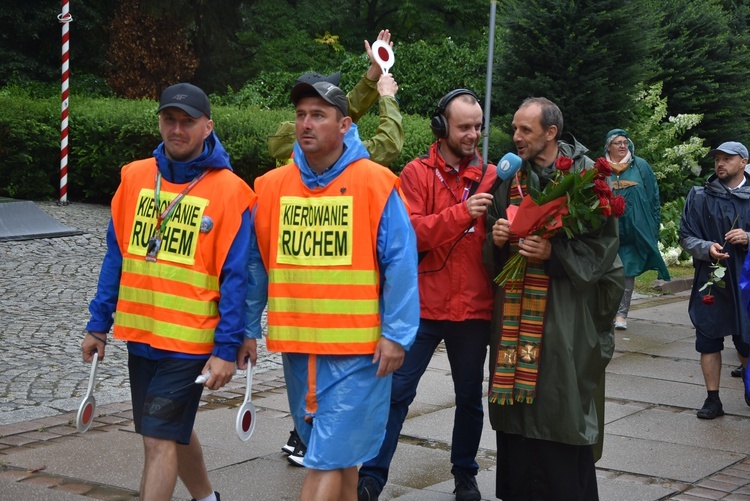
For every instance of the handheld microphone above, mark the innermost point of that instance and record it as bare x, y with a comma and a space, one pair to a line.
506, 169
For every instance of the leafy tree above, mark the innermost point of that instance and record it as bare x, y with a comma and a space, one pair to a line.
30, 41
414, 20
211, 31
661, 140
147, 54
281, 36
421, 72
425, 72
289, 35
705, 64
586, 56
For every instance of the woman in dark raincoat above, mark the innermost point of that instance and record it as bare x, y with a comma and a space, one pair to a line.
634, 179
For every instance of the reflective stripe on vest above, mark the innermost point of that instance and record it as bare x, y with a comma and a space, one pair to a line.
152, 308
348, 315
324, 283
172, 304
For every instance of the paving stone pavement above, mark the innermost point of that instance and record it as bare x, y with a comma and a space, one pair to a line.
655, 448
45, 288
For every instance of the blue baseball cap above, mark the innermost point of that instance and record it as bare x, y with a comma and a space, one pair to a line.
730, 148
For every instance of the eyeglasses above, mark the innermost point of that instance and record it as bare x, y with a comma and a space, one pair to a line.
620, 143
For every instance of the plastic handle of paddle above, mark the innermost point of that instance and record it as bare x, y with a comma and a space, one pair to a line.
203, 377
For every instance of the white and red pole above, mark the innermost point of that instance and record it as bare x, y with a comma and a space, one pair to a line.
65, 18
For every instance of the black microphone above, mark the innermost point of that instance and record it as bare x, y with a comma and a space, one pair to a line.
506, 169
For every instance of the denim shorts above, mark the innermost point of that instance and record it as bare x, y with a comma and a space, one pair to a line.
707, 345
157, 412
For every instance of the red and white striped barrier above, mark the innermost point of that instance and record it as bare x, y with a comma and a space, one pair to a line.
65, 18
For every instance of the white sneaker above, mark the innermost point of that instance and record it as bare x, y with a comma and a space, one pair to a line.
621, 326
296, 457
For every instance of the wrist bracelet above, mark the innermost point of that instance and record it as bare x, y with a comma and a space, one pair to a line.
103, 340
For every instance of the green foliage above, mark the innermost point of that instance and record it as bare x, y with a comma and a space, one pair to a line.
244, 134
660, 139
89, 85
673, 156
417, 138
104, 135
30, 41
425, 72
584, 56
29, 147
704, 64
270, 90
669, 232
107, 133
281, 35
420, 71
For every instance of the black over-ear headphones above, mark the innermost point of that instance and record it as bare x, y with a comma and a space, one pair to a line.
438, 123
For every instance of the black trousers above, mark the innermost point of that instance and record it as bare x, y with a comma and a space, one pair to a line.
530, 469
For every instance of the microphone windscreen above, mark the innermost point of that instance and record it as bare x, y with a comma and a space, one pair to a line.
508, 166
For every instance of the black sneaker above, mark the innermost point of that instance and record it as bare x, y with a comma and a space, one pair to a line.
466, 486
711, 409
291, 444
218, 498
297, 455
737, 372
367, 489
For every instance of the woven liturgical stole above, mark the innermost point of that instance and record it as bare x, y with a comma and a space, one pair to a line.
520, 344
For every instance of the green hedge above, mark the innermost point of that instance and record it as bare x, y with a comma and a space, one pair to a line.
107, 133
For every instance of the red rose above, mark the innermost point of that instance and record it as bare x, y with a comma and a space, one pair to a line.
603, 167
604, 206
708, 299
602, 188
618, 205
563, 164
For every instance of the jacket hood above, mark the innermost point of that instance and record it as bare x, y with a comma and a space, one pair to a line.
611, 135
572, 149
353, 150
717, 188
214, 156
281, 143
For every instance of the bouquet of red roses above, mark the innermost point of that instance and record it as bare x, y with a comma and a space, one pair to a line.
572, 202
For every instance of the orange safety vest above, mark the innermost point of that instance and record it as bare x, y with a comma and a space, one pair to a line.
319, 247
172, 304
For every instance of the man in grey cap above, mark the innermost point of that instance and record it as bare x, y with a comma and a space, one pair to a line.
177, 284
714, 231
336, 261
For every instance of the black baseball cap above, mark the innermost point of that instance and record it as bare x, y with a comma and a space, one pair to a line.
326, 90
186, 97
313, 77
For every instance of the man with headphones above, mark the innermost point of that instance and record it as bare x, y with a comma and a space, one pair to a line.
446, 191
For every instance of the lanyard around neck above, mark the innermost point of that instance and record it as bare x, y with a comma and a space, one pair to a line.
467, 184
166, 215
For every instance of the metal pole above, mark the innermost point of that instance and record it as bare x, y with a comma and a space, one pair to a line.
488, 91
64, 18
